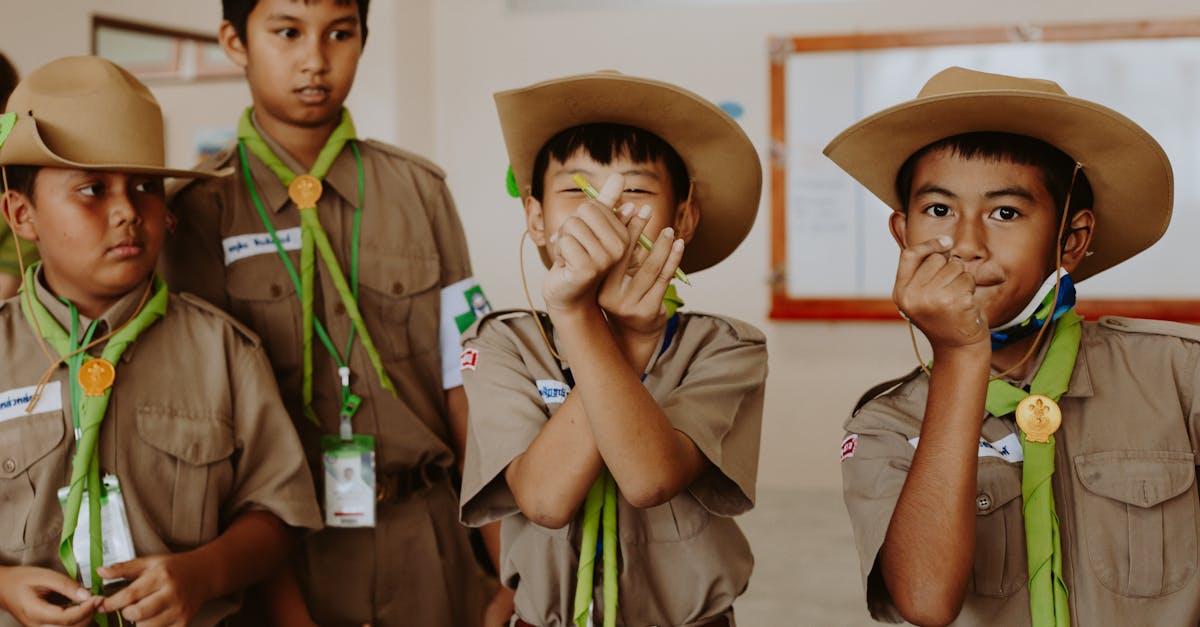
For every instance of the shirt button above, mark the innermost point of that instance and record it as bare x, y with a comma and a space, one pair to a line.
983, 502
9, 465
397, 287
339, 308
276, 291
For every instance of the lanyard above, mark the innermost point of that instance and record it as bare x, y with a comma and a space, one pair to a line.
73, 364
313, 235
601, 502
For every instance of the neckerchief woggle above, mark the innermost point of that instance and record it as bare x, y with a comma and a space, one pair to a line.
1043, 548
88, 411
601, 502
313, 234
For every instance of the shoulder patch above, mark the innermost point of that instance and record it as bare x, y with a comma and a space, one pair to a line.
221, 162
499, 315
408, 156
1151, 327
743, 331
883, 388
199, 303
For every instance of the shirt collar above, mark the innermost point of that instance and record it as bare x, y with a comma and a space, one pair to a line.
342, 176
116, 315
1080, 385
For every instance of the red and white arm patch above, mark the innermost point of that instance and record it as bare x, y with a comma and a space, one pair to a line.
468, 359
849, 443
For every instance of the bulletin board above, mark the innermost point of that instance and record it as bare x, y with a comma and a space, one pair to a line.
832, 255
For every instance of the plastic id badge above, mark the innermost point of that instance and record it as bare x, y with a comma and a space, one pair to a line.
114, 530
349, 480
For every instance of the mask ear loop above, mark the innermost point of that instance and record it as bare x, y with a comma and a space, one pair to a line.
528, 300
1060, 244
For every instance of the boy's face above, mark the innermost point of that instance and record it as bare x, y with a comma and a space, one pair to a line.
98, 233
646, 183
1002, 220
300, 59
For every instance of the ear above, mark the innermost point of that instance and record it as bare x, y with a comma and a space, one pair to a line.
898, 224
18, 213
233, 45
1079, 238
535, 222
687, 219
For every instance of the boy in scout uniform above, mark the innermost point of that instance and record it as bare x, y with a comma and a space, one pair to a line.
615, 435
348, 258
10, 271
144, 448
1041, 471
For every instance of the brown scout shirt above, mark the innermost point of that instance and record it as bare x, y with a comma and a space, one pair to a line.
195, 432
416, 565
683, 562
1124, 484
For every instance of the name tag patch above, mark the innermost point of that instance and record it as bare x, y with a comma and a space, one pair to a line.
552, 391
1007, 448
242, 246
14, 402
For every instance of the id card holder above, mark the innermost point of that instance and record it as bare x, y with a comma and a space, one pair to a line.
114, 530
349, 480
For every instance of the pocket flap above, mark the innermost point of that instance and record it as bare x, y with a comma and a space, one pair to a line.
193, 437
1141, 478
395, 274
260, 278
25, 440
999, 481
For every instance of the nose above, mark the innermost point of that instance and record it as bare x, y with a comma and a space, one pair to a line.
315, 58
122, 209
970, 241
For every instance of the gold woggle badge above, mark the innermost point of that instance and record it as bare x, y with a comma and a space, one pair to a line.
305, 191
96, 376
1039, 417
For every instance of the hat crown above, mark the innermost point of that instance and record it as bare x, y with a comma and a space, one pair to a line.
956, 80
89, 111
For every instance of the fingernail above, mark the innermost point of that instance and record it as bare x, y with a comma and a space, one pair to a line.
612, 186
945, 241
669, 232
644, 212
678, 245
626, 209
83, 594
554, 237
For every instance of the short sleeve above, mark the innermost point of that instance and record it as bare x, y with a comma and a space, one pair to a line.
462, 304
718, 404
447, 230
875, 463
506, 414
271, 473
192, 259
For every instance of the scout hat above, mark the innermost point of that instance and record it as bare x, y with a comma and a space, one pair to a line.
723, 166
85, 113
1129, 173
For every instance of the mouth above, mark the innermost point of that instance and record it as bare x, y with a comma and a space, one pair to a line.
312, 94
127, 248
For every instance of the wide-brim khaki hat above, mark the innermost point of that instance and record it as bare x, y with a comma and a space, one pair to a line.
721, 161
86, 113
1129, 172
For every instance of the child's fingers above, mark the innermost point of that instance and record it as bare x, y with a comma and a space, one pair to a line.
610, 191
123, 570
578, 230
150, 611
607, 227
45, 613
52, 581
654, 275
913, 257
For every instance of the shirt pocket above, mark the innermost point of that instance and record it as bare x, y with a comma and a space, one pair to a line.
677, 520
188, 470
1140, 508
263, 296
400, 302
30, 473
1000, 561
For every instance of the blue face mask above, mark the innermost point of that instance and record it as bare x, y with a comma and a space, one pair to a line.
1038, 312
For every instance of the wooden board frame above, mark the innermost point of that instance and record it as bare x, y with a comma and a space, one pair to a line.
787, 307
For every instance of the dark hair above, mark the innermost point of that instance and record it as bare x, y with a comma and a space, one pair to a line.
606, 142
21, 178
1056, 166
238, 11
8, 80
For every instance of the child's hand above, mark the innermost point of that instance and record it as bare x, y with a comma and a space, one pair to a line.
166, 590
586, 247
632, 293
499, 610
937, 294
24, 591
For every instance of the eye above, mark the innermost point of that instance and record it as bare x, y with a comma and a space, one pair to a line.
636, 190
1005, 214
937, 210
149, 186
342, 35
288, 33
92, 190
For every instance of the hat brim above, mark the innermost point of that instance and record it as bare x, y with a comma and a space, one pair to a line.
721, 160
24, 146
1128, 170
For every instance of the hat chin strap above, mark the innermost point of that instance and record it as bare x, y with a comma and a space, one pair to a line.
1034, 302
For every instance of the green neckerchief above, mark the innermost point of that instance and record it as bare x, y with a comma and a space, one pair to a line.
1047, 589
602, 500
89, 413
312, 234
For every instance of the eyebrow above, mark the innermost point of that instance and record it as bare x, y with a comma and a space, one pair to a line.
1019, 192
349, 20
629, 172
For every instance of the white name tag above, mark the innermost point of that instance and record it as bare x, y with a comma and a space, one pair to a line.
251, 244
14, 402
1007, 448
552, 391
